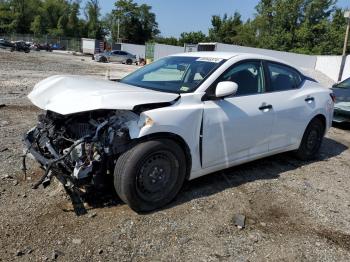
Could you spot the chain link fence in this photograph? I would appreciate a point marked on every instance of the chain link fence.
(60, 43)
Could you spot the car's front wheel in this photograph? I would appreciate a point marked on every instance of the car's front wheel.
(149, 175)
(312, 140)
(129, 62)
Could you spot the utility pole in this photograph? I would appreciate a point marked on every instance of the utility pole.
(118, 30)
(347, 16)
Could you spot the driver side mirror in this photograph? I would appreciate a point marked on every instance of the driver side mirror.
(225, 89)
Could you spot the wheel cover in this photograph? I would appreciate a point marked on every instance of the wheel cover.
(155, 177)
(313, 140)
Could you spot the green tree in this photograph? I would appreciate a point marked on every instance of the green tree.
(137, 24)
(225, 29)
(37, 26)
(192, 38)
(94, 26)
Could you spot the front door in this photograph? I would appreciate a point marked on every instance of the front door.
(238, 127)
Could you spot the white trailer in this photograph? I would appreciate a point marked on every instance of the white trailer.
(156, 51)
(138, 50)
(299, 60)
(92, 46)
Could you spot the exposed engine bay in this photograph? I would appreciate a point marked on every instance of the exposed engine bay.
(80, 149)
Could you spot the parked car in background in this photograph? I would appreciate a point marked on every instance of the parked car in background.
(4, 44)
(21, 46)
(116, 56)
(38, 47)
(181, 117)
(58, 47)
(342, 101)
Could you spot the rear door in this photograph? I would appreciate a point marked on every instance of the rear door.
(115, 56)
(292, 105)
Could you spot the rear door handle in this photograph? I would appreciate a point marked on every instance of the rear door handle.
(309, 99)
(265, 107)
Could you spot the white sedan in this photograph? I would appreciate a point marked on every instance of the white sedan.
(181, 117)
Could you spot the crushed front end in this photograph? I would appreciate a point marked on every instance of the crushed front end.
(79, 149)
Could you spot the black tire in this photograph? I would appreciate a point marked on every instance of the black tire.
(129, 62)
(150, 175)
(312, 140)
(103, 59)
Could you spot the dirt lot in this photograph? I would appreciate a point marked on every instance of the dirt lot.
(295, 210)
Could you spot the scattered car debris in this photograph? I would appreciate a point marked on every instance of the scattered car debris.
(19, 253)
(92, 215)
(3, 149)
(239, 221)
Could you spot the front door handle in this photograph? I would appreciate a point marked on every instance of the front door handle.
(265, 107)
(309, 99)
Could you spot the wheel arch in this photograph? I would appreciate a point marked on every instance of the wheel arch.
(177, 139)
(323, 119)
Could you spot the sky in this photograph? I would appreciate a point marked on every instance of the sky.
(177, 16)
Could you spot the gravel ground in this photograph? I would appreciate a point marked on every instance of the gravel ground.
(295, 211)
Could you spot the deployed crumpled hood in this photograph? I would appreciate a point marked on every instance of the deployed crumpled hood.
(73, 94)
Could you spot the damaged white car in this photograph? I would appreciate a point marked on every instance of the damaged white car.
(179, 118)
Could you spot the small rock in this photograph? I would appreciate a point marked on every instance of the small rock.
(56, 254)
(76, 241)
(254, 238)
(307, 184)
(100, 251)
(263, 224)
(239, 221)
(24, 195)
(318, 244)
(3, 123)
(15, 182)
(92, 215)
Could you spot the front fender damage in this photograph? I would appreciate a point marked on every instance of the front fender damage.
(81, 150)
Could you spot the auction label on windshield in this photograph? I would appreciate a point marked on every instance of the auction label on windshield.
(209, 59)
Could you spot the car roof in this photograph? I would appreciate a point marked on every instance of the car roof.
(229, 55)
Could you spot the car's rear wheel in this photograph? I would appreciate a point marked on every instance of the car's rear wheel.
(312, 140)
(150, 175)
(129, 62)
(103, 59)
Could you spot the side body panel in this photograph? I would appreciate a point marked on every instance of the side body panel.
(235, 128)
(183, 119)
(293, 112)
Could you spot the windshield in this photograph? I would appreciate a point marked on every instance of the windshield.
(174, 74)
(344, 84)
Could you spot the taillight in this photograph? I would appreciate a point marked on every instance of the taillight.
(333, 97)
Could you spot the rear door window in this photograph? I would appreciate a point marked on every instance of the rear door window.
(283, 78)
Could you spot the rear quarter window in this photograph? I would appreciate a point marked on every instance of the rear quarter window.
(283, 78)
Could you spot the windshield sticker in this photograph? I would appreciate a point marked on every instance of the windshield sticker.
(209, 59)
(184, 88)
